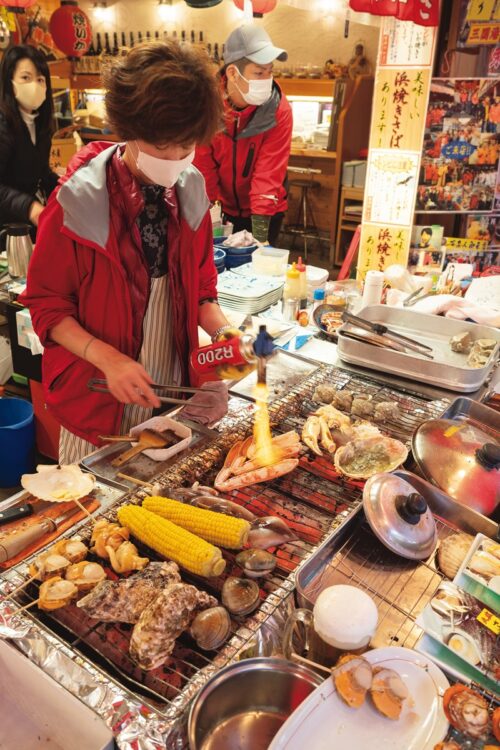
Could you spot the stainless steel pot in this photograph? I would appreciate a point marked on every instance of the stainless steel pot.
(244, 705)
(19, 249)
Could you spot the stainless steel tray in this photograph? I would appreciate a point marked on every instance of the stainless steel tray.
(447, 370)
(465, 409)
(284, 371)
(141, 467)
(400, 588)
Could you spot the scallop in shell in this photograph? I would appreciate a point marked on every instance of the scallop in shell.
(49, 564)
(361, 459)
(58, 483)
(240, 595)
(211, 628)
(256, 562)
(85, 575)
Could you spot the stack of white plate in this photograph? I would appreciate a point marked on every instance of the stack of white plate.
(248, 294)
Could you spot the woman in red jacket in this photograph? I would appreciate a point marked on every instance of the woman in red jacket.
(123, 270)
(245, 166)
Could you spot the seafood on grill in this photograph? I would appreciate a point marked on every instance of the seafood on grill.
(361, 459)
(126, 558)
(106, 534)
(243, 468)
(211, 628)
(362, 406)
(240, 595)
(47, 565)
(270, 531)
(311, 433)
(467, 711)
(324, 394)
(452, 552)
(85, 575)
(352, 677)
(58, 483)
(124, 600)
(342, 400)
(73, 550)
(388, 692)
(55, 593)
(163, 621)
(385, 411)
(256, 563)
(221, 505)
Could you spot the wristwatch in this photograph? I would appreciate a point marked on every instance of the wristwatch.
(220, 330)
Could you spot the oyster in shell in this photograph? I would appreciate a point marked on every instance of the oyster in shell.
(451, 553)
(211, 628)
(361, 459)
(324, 394)
(58, 484)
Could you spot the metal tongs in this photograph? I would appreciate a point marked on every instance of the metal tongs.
(99, 385)
(385, 336)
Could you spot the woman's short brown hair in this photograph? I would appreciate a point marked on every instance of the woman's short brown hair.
(163, 93)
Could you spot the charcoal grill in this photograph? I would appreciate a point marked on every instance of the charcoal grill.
(314, 500)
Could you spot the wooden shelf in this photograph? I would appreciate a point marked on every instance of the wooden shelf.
(306, 86)
(314, 153)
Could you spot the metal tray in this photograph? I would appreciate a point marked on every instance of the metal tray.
(141, 467)
(283, 372)
(400, 588)
(467, 410)
(447, 370)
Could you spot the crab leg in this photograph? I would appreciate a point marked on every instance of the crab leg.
(253, 465)
(310, 434)
(326, 437)
(263, 474)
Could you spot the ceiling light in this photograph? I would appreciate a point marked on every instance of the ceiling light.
(167, 11)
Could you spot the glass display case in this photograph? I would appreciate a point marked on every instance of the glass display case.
(312, 116)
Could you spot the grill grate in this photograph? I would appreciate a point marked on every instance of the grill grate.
(313, 500)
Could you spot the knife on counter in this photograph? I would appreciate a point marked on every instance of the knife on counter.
(16, 513)
(16, 541)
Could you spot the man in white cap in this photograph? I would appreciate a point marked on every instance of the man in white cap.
(245, 166)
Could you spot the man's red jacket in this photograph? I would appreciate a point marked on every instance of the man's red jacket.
(88, 264)
(245, 165)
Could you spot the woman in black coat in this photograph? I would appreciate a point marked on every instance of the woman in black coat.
(26, 125)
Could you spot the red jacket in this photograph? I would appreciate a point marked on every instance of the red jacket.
(245, 165)
(88, 264)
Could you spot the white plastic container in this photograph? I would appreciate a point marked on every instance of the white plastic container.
(316, 279)
(270, 261)
(372, 290)
(161, 424)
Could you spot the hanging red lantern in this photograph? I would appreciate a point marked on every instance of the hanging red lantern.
(422, 12)
(259, 6)
(17, 6)
(70, 29)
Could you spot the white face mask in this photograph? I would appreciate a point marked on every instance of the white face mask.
(30, 95)
(258, 91)
(162, 171)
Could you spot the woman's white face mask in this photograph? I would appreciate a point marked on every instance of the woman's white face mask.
(259, 91)
(30, 95)
(164, 172)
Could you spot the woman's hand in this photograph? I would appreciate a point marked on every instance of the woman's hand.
(129, 382)
(36, 209)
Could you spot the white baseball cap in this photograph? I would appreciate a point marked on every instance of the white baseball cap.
(253, 43)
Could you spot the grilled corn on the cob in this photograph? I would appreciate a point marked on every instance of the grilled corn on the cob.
(172, 541)
(217, 528)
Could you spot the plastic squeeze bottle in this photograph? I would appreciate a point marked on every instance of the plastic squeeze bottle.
(301, 268)
(292, 283)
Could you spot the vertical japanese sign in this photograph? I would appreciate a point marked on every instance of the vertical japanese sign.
(401, 94)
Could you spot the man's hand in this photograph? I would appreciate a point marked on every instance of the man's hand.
(129, 382)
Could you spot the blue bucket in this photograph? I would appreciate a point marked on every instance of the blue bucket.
(17, 440)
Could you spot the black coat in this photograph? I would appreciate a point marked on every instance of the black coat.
(24, 168)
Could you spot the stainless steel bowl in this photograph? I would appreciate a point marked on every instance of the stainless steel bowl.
(244, 705)
(321, 310)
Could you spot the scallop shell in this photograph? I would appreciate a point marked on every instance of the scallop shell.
(240, 595)
(361, 459)
(58, 484)
(256, 562)
(211, 628)
(451, 553)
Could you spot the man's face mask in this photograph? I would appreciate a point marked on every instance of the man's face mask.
(258, 91)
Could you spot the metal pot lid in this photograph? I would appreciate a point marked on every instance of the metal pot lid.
(399, 516)
(461, 458)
